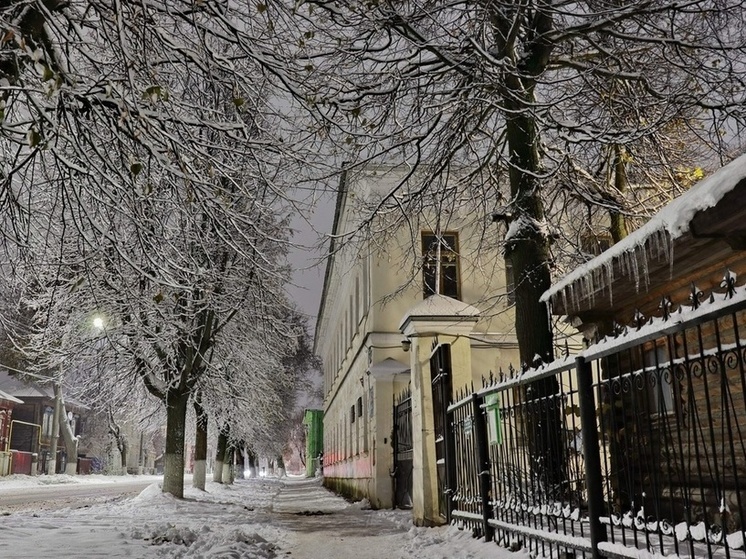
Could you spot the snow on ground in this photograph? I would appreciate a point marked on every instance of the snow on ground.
(17, 481)
(261, 518)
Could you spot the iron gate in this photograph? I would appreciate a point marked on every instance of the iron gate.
(402, 442)
(440, 371)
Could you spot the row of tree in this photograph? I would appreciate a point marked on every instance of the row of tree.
(145, 209)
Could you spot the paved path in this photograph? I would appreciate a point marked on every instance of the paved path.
(323, 527)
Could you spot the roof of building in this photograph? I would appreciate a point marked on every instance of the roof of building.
(439, 306)
(339, 205)
(18, 388)
(682, 237)
(387, 368)
(8, 398)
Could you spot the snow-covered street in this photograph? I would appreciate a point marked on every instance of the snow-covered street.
(252, 519)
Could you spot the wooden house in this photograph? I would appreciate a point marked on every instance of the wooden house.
(666, 312)
(7, 403)
(32, 418)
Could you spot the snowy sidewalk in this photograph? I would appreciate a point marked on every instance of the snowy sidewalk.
(323, 526)
(252, 519)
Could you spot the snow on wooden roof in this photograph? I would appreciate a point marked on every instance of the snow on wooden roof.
(654, 240)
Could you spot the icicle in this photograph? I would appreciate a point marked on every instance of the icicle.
(635, 270)
(662, 241)
(563, 293)
(670, 257)
(609, 270)
(573, 295)
(645, 270)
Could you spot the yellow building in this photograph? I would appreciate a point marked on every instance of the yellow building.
(392, 296)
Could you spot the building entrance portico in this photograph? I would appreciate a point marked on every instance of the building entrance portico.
(440, 359)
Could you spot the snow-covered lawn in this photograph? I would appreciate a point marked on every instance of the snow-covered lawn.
(252, 519)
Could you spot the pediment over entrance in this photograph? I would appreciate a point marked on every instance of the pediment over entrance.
(388, 368)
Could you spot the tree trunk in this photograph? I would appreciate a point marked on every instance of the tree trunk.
(529, 254)
(252, 462)
(241, 461)
(120, 440)
(228, 465)
(280, 467)
(173, 462)
(52, 463)
(71, 442)
(200, 448)
(141, 455)
(123, 450)
(618, 223)
(217, 475)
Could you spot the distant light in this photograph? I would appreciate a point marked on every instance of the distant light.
(98, 323)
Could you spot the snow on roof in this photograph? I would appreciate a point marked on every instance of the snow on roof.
(9, 398)
(21, 389)
(388, 367)
(440, 306)
(674, 219)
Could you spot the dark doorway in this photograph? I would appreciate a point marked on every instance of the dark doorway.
(402, 442)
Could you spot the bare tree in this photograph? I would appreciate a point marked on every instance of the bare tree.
(119, 438)
(142, 184)
(251, 395)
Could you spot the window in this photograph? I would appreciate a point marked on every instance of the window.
(360, 407)
(366, 285)
(660, 379)
(352, 414)
(353, 319)
(73, 421)
(594, 244)
(440, 269)
(4, 424)
(509, 283)
(47, 423)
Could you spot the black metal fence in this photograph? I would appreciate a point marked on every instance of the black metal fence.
(638, 443)
(403, 449)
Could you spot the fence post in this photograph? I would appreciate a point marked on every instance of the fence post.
(450, 456)
(395, 463)
(483, 465)
(591, 453)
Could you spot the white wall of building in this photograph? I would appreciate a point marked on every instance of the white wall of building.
(370, 286)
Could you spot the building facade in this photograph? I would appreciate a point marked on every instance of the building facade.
(429, 281)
